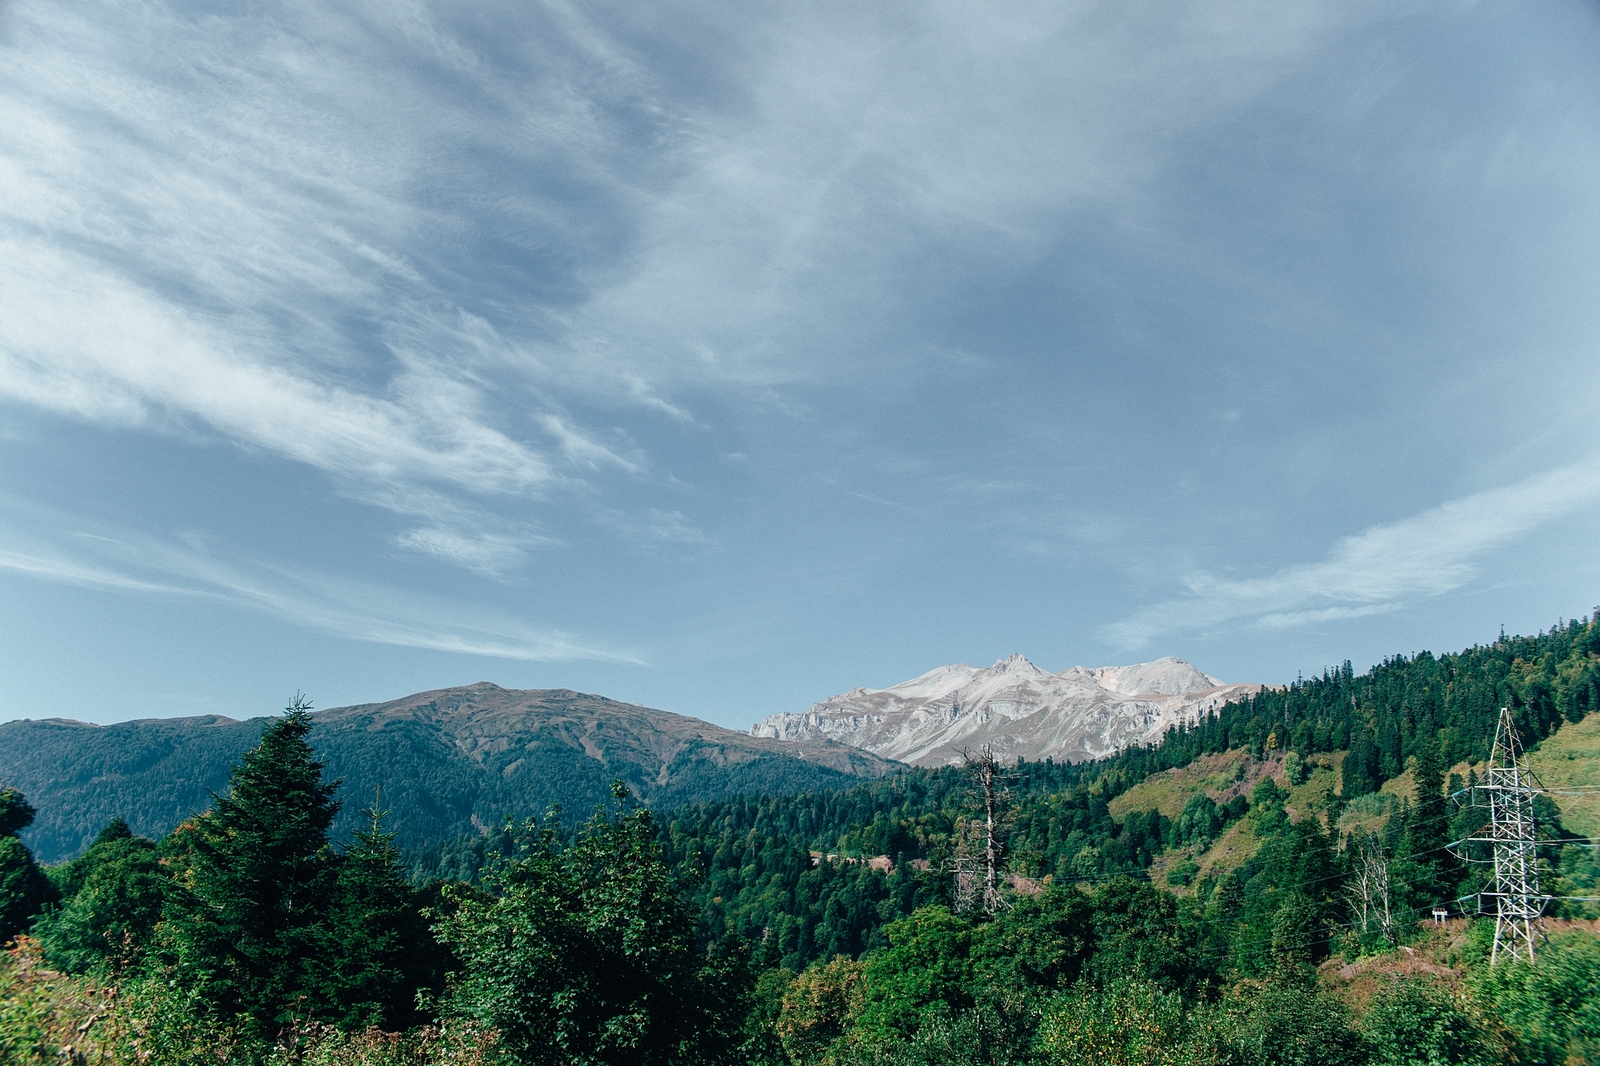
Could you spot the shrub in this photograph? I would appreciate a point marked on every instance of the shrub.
(1417, 1021)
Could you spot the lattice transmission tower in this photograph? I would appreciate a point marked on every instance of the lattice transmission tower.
(1512, 835)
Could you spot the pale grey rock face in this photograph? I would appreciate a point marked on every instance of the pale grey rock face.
(1014, 707)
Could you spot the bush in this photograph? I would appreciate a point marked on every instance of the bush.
(40, 1010)
(585, 953)
(1552, 1007)
(1130, 1023)
(1285, 1021)
(1417, 1021)
(997, 1032)
(818, 1008)
(47, 1017)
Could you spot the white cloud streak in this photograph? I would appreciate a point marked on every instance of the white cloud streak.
(281, 202)
(236, 233)
(85, 342)
(1379, 569)
(131, 563)
(407, 244)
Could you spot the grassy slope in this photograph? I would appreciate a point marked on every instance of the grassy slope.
(1446, 951)
(1571, 758)
(1568, 758)
(1222, 777)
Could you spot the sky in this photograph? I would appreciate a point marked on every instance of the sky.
(722, 357)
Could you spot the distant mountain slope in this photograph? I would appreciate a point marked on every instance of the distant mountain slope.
(1015, 707)
(447, 761)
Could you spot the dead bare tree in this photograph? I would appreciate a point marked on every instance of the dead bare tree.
(1368, 888)
(980, 845)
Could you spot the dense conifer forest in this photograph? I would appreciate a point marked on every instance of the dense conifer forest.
(1256, 888)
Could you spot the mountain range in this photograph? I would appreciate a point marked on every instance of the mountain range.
(1014, 707)
(448, 762)
(452, 761)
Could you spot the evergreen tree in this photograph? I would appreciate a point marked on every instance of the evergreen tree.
(1360, 770)
(246, 926)
(24, 890)
(1425, 864)
(383, 949)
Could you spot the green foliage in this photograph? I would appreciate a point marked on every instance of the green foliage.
(760, 1045)
(16, 813)
(996, 1032)
(927, 961)
(50, 1018)
(40, 1011)
(385, 950)
(1551, 1007)
(1038, 943)
(584, 953)
(1201, 822)
(1391, 713)
(790, 871)
(1129, 1023)
(1284, 897)
(1578, 874)
(1361, 773)
(1426, 868)
(818, 1008)
(1418, 1022)
(24, 890)
(111, 900)
(1284, 1021)
(1141, 933)
(245, 924)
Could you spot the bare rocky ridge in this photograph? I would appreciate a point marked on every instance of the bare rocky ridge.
(1013, 706)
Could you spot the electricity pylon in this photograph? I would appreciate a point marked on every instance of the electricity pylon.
(1511, 833)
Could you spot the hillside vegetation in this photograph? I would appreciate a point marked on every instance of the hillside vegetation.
(1195, 901)
(448, 762)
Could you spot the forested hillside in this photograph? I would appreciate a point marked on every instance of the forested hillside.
(1243, 893)
(752, 858)
(446, 761)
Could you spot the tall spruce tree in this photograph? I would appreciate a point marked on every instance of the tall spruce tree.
(1426, 861)
(246, 926)
(1360, 770)
(384, 950)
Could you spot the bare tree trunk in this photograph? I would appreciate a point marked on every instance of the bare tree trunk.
(984, 769)
(1368, 890)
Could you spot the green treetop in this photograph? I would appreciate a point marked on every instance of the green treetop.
(245, 924)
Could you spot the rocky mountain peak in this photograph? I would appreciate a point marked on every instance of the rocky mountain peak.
(1016, 707)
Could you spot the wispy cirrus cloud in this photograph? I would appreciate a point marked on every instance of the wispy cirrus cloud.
(240, 235)
(381, 239)
(53, 547)
(84, 341)
(1379, 569)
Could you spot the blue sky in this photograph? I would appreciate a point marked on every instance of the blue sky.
(723, 357)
